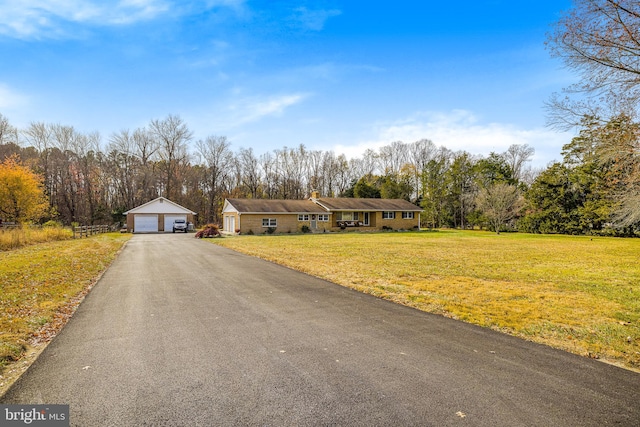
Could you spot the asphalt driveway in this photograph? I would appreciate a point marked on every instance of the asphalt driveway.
(181, 332)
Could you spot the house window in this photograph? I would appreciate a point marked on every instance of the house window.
(347, 216)
(407, 215)
(303, 217)
(388, 215)
(269, 222)
(323, 217)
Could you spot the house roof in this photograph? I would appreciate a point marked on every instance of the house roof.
(273, 206)
(351, 204)
(160, 206)
(317, 206)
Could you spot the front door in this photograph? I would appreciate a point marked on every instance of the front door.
(314, 222)
(365, 220)
(231, 224)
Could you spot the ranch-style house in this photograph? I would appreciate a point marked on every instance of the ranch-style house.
(318, 214)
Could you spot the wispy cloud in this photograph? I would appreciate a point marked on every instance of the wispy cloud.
(461, 130)
(253, 109)
(38, 19)
(312, 19)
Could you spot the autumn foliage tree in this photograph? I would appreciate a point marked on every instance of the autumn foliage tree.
(22, 196)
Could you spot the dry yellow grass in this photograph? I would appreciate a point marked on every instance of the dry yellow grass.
(579, 294)
(41, 284)
(18, 237)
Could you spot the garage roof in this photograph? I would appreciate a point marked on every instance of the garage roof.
(160, 206)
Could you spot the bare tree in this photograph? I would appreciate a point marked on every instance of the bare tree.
(217, 156)
(249, 172)
(268, 165)
(124, 168)
(500, 203)
(8, 133)
(290, 169)
(516, 157)
(40, 136)
(335, 176)
(146, 149)
(172, 135)
(600, 40)
(618, 152)
(315, 173)
(420, 154)
(88, 154)
(370, 163)
(628, 213)
(343, 176)
(393, 157)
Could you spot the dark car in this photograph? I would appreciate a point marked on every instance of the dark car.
(180, 225)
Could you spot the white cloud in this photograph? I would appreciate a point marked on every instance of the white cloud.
(462, 130)
(34, 19)
(47, 18)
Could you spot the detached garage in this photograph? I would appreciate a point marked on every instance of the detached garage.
(157, 216)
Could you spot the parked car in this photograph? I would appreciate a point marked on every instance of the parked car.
(180, 225)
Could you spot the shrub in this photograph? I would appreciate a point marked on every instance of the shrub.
(209, 230)
(305, 229)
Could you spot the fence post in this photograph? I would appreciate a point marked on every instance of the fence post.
(89, 230)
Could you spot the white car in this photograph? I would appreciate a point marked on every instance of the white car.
(180, 225)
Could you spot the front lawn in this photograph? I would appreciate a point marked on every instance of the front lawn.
(580, 294)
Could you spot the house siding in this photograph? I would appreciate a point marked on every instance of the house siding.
(286, 223)
(398, 223)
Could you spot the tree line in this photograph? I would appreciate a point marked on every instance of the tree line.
(90, 181)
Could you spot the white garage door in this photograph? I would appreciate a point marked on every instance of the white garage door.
(145, 224)
(168, 221)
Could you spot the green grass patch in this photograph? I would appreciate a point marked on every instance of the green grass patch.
(41, 284)
(579, 294)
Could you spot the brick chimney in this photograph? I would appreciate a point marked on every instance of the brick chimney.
(315, 195)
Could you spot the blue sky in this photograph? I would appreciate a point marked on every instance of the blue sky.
(342, 75)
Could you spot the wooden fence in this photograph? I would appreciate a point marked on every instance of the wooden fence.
(90, 230)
